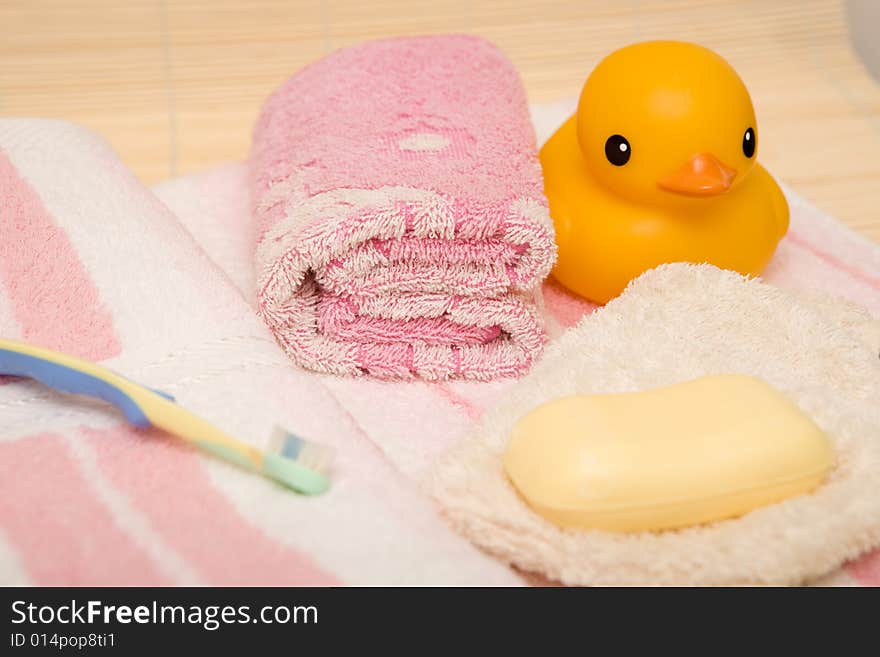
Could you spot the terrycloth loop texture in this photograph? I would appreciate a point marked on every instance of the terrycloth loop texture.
(403, 229)
(673, 324)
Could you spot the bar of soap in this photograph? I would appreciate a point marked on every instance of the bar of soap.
(691, 453)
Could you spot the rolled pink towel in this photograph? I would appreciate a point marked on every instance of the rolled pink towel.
(403, 229)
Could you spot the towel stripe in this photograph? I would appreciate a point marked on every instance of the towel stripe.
(565, 307)
(447, 393)
(63, 534)
(168, 484)
(8, 325)
(134, 524)
(866, 569)
(834, 261)
(51, 295)
(12, 571)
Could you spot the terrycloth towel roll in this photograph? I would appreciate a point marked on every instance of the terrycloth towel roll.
(403, 229)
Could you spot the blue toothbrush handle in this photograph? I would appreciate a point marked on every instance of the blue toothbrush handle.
(71, 380)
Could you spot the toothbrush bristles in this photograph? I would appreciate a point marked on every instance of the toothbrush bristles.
(309, 454)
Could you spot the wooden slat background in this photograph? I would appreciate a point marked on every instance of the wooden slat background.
(175, 85)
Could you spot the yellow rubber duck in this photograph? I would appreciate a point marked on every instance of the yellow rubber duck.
(658, 165)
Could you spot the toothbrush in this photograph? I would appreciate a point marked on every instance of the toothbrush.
(293, 461)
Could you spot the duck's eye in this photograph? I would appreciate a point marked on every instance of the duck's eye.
(617, 150)
(749, 143)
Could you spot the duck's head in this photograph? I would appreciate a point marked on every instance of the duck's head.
(664, 121)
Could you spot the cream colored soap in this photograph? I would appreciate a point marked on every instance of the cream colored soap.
(696, 452)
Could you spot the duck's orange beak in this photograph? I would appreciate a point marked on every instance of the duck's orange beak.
(702, 175)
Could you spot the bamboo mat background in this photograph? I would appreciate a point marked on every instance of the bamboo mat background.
(175, 85)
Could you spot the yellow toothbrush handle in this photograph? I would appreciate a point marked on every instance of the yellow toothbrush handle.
(142, 406)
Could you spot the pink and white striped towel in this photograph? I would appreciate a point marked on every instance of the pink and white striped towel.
(93, 263)
(402, 225)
